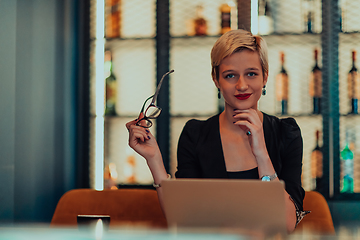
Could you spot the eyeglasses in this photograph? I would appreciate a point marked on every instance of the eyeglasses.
(149, 109)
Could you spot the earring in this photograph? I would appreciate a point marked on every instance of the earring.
(219, 94)
(264, 90)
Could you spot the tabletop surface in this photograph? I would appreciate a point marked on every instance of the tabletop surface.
(40, 232)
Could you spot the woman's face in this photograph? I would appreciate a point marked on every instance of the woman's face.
(241, 80)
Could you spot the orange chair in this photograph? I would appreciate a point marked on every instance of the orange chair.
(125, 206)
(319, 220)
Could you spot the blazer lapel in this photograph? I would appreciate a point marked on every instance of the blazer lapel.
(210, 150)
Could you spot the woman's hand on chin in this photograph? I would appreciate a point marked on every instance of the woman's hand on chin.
(249, 121)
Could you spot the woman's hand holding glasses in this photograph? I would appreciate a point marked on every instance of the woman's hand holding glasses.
(140, 137)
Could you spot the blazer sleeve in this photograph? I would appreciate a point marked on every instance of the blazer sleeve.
(291, 155)
(187, 158)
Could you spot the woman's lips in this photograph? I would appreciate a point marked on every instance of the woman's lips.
(243, 96)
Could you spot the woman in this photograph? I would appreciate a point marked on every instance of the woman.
(241, 142)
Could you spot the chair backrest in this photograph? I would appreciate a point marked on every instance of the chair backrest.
(125, 206)
(319, 220)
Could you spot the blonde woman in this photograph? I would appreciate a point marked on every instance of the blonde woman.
(241, 142)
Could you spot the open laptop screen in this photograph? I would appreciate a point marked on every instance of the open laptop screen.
(214, 203)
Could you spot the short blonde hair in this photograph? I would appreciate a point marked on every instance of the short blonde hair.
(235, 41)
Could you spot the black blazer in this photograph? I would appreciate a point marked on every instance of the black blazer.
(200, 153)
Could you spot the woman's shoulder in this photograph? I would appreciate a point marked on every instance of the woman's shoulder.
(197, 123)
(287, 126)
(288, 122)
(195, 128)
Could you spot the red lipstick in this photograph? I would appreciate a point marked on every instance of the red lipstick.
(243, 96)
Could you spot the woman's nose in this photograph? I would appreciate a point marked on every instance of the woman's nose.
(241, 85)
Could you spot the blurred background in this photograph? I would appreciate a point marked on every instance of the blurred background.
(74, 72)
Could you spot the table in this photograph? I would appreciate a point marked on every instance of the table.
(44, 232)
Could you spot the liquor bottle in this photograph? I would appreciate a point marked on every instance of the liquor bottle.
(347, 167)
(354, 85)
(112, 26)
(111, 86)
(110, 176)
(130, 167)
(315, 85)
(308, 6)
(356, 164)
(225, 10)
(316, 164)
(309, 22)
(282, 86)
(200, 25)
(341, 15)
(266, 23)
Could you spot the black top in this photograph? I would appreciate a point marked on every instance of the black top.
(200, 153)
(247, 174)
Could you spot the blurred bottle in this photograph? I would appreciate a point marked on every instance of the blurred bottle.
(110, 176)
(225, 10)
(200, 24)
(341, 15)
(130, 166)
(308, 8)
(356, 163)
(309, 22)
(347, 167)
(355, 166)
(111, 86)
(266, 22)
(282, 86)
(112, 18)
(354, 85)
(130, 169)
(315, 85)
(316, 163)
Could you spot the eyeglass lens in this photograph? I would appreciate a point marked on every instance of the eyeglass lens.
(152, 112)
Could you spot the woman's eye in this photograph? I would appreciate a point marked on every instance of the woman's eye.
(230, 76)
(252, 74)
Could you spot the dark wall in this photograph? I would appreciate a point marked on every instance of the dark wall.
(38, 85)
(7, 107)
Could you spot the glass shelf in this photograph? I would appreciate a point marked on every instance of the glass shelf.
(298, 115)
(127, 38)
(195, 37)
(274, 34)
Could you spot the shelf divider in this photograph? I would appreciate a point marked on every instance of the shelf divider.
(330, 103)
(162, 66)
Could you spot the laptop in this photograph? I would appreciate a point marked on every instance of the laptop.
(249, 205)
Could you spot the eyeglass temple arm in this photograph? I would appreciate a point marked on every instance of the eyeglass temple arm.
(142, 109)
(159, 86)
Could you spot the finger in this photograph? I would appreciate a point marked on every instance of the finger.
(248, 115)
(142, 130)
(142, 122)
(242, 126)
(137, 129)
(138, 135)
(245, 126)
(128, 124)
(243, 117)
